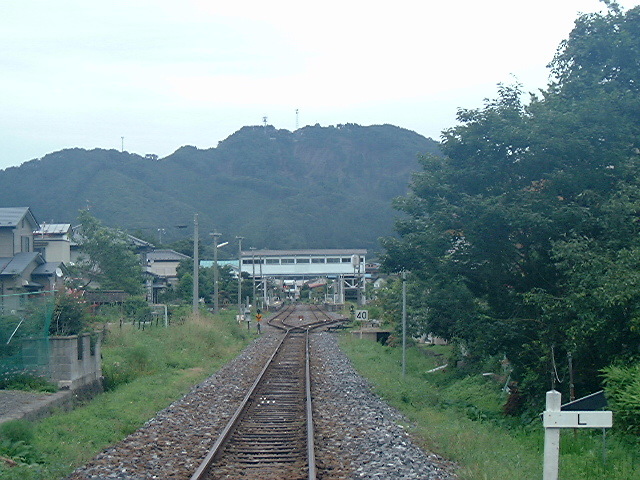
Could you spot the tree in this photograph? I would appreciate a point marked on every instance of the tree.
(107, 257)
(524, 239)
(227, 284)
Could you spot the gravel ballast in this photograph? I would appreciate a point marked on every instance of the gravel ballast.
(358, 436)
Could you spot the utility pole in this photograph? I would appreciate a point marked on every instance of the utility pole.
(253, 274)
(216, 308)
(265, 304)
(404, 323)
(196, 266)
(240, 275)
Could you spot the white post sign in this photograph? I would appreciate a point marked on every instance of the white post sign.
(362, 315)
(554, 420)
(578, 419)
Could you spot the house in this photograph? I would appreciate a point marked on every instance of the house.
(162, 271)
(140, 247)
(53, 241)
(16, 231)
(23, 270)
(164, 263)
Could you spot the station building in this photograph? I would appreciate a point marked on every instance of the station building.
(345, 267)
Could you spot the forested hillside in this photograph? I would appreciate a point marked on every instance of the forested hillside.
(317, 187)
(524, 240)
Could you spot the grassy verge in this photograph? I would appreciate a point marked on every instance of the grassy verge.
(461, 419)
(145, 372)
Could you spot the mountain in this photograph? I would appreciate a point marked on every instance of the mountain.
(317, 187)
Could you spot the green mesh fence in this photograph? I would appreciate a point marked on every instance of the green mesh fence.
(24, 333)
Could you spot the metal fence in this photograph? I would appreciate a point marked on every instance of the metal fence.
(24, 332)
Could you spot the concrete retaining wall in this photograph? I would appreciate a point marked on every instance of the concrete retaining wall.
(74, 361)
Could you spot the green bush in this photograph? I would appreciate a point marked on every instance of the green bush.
(115, 374)
(27, 382)
(17, 431)
(623, 391)
(16, 437)
(133, 361)
(137, 309)
(69, 315)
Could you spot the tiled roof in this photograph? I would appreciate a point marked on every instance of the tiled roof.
(48, 268)
(19, 263)
(4, 261)
(138, 242)
(166, 255)
(11, 216)
(53, 229)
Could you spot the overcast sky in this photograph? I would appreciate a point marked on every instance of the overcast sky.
(163, 74)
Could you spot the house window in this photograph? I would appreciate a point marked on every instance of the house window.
(317, 260)
(333, 260)
(273, 261)
(288, 261)
(303, 260)
(346, 259)
(25, 244)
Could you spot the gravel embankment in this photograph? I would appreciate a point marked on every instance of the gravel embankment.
(367, 432)
(358, 435)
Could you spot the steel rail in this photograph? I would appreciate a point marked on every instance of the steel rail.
(328, 321)
(288, 311)
(217, 450)
(311, 451)
(281, 316)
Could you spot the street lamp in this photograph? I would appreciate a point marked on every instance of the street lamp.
(216, 236)
(196, 266)
(265, 303)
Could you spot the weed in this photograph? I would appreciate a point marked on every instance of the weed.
(29, 382)
(16, 437)
(461, 418)
(166, 361)
(17, 431)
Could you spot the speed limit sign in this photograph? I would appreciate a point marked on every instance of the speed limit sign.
(362, 315)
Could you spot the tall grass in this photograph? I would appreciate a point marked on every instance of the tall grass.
(166, 362)
(461, 419)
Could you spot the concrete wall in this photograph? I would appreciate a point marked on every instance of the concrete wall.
(6, 242)
(58, 250)
(25, 229)
(72, 363)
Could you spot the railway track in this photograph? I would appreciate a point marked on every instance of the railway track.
(270, 436)
(356, 435)
(309, 316)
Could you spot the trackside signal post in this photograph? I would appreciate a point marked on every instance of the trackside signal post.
(554, 419)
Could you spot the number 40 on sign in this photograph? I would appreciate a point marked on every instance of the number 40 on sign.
(362, 315)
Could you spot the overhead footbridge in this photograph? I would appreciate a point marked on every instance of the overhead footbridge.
(344, 267)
